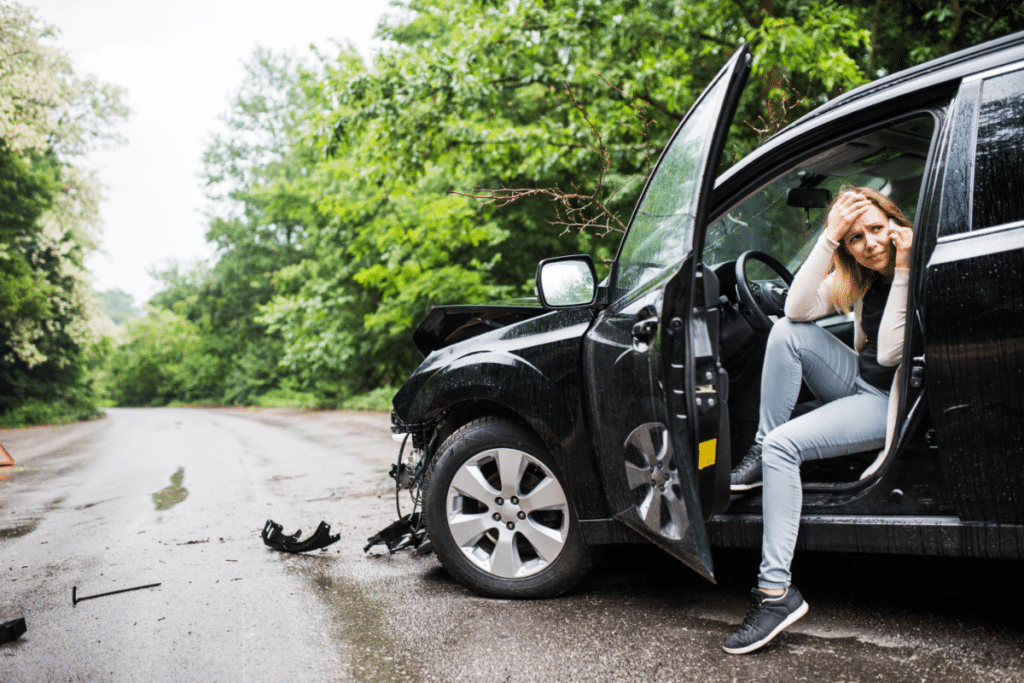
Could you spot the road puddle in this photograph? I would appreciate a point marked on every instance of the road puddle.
(166, 498)
(361, 622)
(20, 471)
(23, 529)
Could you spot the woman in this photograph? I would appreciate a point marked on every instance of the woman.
(862, 259)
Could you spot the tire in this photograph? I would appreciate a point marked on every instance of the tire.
(503, 539)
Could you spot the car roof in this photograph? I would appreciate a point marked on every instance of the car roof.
(885, 95)
(951, 67)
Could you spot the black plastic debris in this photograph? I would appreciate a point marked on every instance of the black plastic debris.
(406, 477)
(407, 532)
(321, 538)
(75, 599)
(12, 630)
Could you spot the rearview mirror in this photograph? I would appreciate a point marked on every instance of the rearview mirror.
(808, 197)
(567, 282)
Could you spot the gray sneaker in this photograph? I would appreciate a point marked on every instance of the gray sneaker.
(767, 617)
(747, 474)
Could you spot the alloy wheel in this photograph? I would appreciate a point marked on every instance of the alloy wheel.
(507, 513)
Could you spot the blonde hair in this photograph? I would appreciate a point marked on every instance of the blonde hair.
(850, 280)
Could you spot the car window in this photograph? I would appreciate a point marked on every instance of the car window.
(663, 223)
(999, 157)
(986, 155)
(890, 160)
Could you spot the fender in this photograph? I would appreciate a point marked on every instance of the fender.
(507, 380)
(532, 369)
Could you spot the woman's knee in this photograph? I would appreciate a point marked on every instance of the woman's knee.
(791, 333)
(779, 452)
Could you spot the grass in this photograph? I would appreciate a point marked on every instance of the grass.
(287, 398)
(35, 412)
(378, 399)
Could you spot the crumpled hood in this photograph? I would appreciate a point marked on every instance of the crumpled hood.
(447, 325)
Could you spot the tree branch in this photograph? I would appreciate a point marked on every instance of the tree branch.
(720, 41)
(876, 14)
(753, 20)
(586, 205)
(992, 20)
(601, 149)
(958, 15)
(483, 143)
(570, 206)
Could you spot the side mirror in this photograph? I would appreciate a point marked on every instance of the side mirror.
(567, 282)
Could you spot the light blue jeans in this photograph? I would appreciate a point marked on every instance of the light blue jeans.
(851, 420)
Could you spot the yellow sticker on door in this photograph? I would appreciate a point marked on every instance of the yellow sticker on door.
(706, 454)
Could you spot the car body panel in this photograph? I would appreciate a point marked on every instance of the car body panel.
(447, 325)
(974, 300)
(529, 370)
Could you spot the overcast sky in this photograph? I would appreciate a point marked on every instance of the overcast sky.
(180, 62)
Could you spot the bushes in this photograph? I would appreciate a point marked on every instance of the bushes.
(36, 411)
(165, 360)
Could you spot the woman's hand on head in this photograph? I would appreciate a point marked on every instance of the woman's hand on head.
(844, 213)
(903, 239)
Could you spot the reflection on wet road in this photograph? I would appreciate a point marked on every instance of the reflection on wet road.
(179, 497)
(168, 497)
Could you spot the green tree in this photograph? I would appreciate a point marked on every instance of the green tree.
(49, 118)
(339, 193)
(164, 361)
(261, 205)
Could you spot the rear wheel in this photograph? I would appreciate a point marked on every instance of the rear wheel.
(498, 515)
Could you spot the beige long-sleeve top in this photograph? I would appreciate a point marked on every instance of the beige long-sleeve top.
(809, 299)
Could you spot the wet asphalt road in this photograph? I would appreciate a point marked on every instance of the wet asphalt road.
(179, 496)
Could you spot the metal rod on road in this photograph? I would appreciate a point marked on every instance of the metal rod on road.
(75, 599)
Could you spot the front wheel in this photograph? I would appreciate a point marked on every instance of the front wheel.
(498, 515)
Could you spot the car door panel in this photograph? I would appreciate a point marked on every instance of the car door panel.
(975, 304)
(644, 351)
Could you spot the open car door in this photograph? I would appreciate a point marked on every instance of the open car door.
(655, 393)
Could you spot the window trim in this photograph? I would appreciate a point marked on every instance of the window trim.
(992, 73)
(965, 245)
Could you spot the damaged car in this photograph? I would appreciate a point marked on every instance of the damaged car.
(613, 411)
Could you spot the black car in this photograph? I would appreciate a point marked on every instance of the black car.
(613, 412)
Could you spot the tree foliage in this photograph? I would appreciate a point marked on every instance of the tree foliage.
(342, 193)
(49, 218)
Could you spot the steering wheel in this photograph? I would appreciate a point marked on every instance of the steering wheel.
(758, 302)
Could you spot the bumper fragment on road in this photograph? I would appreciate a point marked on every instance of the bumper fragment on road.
(320, 539)
(12, 630)
(407, 532)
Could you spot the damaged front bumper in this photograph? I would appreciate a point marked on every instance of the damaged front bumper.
(408, 531)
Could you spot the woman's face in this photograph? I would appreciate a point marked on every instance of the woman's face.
(868, 240)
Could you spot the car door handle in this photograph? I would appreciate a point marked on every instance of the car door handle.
(643, 331)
